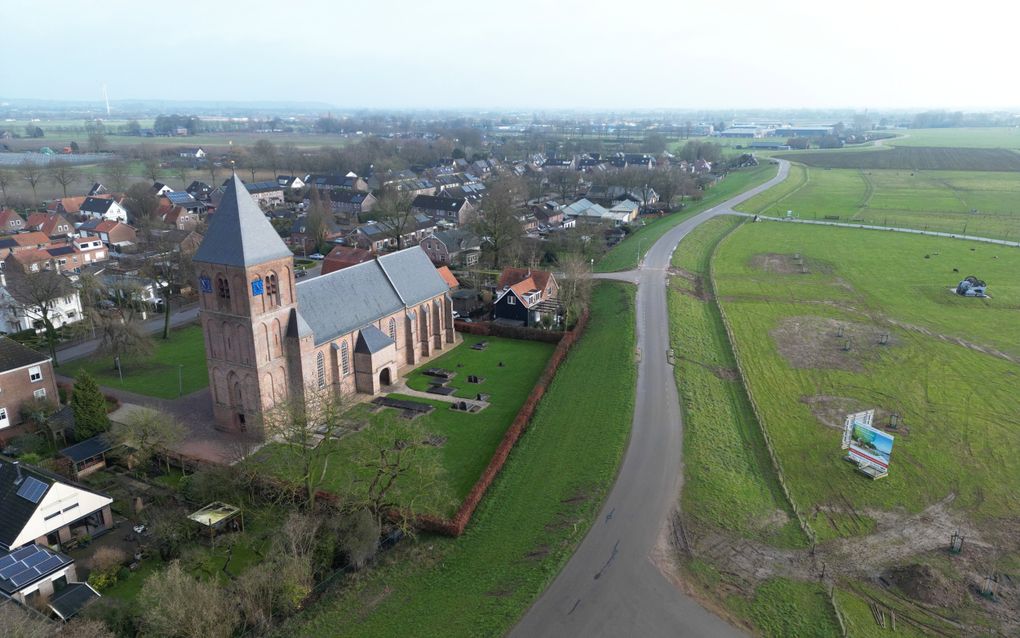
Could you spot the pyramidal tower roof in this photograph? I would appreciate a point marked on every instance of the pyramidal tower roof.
(239, 233)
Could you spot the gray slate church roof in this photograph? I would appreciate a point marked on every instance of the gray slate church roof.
(240, 234)
(348, 299)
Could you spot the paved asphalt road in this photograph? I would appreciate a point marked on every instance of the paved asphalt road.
(610, 587)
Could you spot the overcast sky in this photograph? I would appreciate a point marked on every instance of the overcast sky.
(517, 53)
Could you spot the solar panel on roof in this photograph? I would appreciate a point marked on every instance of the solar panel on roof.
(24, 552)
(32, 489)
(24, 577)
(34, 559)
(10, 570)
(49, 564)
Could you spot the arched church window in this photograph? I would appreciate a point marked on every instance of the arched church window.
(345, 358)
(320, 369)
(223, 287)
(393, 329)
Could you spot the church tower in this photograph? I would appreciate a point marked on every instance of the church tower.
(247, 292)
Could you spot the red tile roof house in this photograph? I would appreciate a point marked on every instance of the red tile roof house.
(344, 257)
(53, 225)
(25, 375)
(10, 222)
(526, 297)
(109, 232)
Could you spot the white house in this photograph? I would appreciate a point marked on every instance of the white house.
(19, 312)
(103, 208)
(37, 506)
(192, 153)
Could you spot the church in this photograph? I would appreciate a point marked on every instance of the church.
(270, 338)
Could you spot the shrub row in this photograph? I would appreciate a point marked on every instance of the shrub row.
(456, 525)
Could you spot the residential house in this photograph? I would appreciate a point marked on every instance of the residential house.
(31, 575)
(609, 195)
(53, 225)
(586, 210)
(266, 193)
(111, 233)
(629, 208)
(379, 236)
(550, 214)
(97, 189)
(180, 219)
(39, 507)
(344, 257)
(159, 189)
(66, 205)
(290, 182)
(448, 277)
(91, 249)
(350, 204)
(335, 181)
(559, 162)
(186, 201)
(457, 247)
(473, 192)
(10, 222)
(445, 209)
(199, 190)
(22, 241)
(19, 307)
(526, 297)
(192, 153)
(25, 376)
(103, 207)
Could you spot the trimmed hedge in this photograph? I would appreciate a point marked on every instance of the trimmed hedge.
(490, 329)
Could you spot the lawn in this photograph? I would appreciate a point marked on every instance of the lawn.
(470, 439)
(535, 513)
(627, 254)
(957, 404)
(155, 376)
(978, 203)
(728, 481)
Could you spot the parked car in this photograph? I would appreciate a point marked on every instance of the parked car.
(317, 256)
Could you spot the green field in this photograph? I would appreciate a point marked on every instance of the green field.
(728, 480)
(958, 403)
(910, 158)
(535, 513)
(470, 439)
(627, 254)
(990, 137)
(978, 203)
(155, 376)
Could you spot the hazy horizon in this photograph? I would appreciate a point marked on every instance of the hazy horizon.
(642, 55)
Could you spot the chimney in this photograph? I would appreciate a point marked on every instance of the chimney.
(3, 279)
(17, 468)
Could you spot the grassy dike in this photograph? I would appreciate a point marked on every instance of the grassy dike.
(534, 515)
(729, 485)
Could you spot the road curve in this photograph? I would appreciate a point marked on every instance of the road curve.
(610, 587)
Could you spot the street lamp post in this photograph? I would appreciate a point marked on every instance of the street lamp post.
(180, 379)
(120, 372)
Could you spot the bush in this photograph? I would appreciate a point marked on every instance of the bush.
(89, 407)
(107, 558)
(116, 614)
(30, 444)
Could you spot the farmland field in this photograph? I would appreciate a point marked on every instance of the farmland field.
(990, 137)
(971, 202)
(913, 158)
(538, 509)
(871, 324)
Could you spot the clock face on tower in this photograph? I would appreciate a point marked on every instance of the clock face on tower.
(205, 284)
(256, 287)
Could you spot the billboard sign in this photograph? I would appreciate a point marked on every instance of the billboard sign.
(865, 418)
(870, 446)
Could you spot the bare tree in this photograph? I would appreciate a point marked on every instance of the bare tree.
(86, 628)
(181, 172)
(497, 223)
(169, 265)
(149, 432)
(564, 181)
(142, 203)
(62, 173)
(117, 173)
(176, 605)
(38, 295)
(97, 136)
(265, 154)
(310, 428)
(575, 286)
(289, 155)
(394, 210)
(6, 179)
(33, 174)
(151, 163)
(22, 622)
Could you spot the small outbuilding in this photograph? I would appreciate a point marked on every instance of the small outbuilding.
(218, 517)
(88, 456)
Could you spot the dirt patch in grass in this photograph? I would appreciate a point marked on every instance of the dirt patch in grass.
(927, 585)
(832, 411)
(789, 264)
(697, 281)
(810, 342)
(538, 553)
